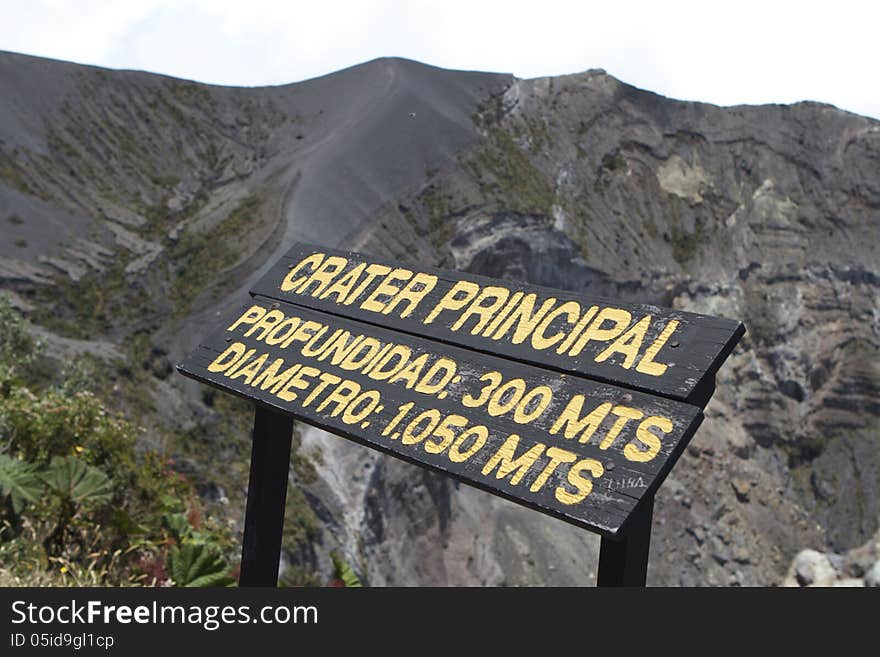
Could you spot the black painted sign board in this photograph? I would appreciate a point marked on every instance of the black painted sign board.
(661, 351)
(574, 406)
(576, 449)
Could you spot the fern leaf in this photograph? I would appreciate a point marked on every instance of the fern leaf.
(20, 481)
(197, 565)
(77, 481)
(178, 525)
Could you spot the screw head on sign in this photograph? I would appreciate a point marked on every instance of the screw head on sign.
(626, 398)
(274, 306)
(673, 344)
(228, 339)
(609, 466)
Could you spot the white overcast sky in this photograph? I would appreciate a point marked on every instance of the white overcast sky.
(730, 52)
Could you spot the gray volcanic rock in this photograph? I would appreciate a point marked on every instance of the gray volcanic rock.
(857, 567)
(155, 203)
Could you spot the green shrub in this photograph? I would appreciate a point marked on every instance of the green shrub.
(18, 348)
(343, 574)
(79, 504)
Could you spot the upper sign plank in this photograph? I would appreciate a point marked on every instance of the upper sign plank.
(579, 450)
(666, 352)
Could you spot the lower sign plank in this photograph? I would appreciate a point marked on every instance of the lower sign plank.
(575, 449)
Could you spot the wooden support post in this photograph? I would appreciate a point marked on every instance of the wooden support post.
(267, 493)
(625, 562)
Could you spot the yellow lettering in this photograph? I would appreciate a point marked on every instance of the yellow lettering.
(576, 331)
(624, 414)
(456, 299)
(539, 341)
(328, 270)
(344, 393)
(583, 486)
(498, 295)
(370, 399)
(371, 273)
(297, 381)
(342, 287)
(520, 415)
(251, 369)
(269, 377)
(458, 455)
(594, 331)
(291, 281)
(411, 372)
(281, 331)
(325, 379)
(574, 424)
(647, 364)
(648, 439)
(385, 288)
(492, 379)
(309, 349)
(445, 367)
(268, 320)
(628, 343)
(375, 359)
(368, 348)
(557, 457)
(240, 363)
(416, 290)
(511, 304)
(341, 348)
(229, 358)
(504, 460)
(249, 316)
(400, 352)
(409, 436)
(527, 321)
(445, 431)
(498, 405)
(303, 334)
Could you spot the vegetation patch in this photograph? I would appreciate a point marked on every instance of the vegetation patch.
(86, 308)
(79, 503)
(190, 93)
(685, 244)
(198, 258)
(10, 173)
(504, 172)
(585, 126)
(438, 207)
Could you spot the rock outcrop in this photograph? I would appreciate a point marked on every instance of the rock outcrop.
(857, 567)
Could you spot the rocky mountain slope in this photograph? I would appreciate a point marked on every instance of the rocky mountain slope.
(136, 209)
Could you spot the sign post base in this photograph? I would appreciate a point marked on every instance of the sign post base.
(267, 494)
(625, 562)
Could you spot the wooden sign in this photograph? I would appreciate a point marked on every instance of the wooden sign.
(665, 352)
(579, 450)
(572, 405)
